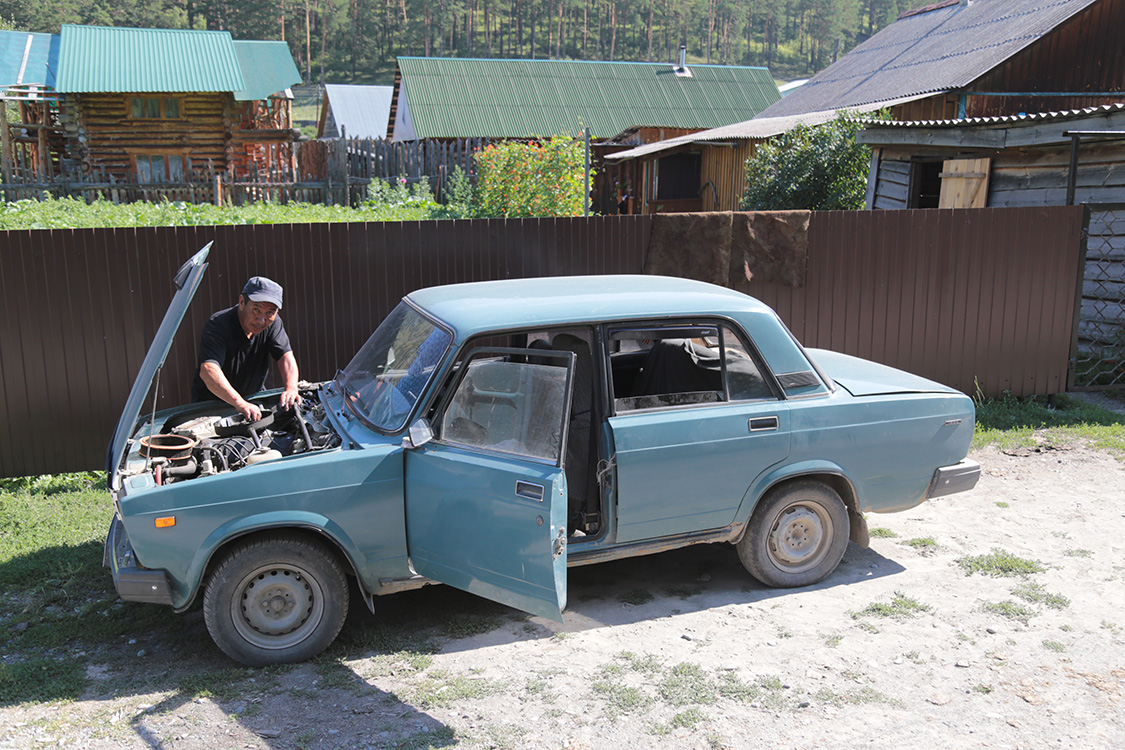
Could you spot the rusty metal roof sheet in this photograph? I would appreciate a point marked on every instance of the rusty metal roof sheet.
(105, 59)
(943, 47)
(455, 98)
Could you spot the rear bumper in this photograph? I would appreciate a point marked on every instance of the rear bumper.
(133, 583)
(949, 480)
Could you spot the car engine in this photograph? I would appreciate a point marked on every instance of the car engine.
(193, 443)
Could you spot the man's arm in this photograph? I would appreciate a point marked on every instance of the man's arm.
(287, 366)
(218, 384)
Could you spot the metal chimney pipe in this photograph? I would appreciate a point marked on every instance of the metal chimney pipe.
(683, 57)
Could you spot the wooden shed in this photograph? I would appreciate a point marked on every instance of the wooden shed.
(1049, 159)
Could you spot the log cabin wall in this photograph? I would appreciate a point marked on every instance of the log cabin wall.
(103, 134)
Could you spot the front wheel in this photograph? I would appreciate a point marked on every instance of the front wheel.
(797, 535)
(274, 600)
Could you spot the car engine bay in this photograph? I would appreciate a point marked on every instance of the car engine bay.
(197, 441)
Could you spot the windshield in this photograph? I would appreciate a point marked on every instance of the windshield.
(390, 372)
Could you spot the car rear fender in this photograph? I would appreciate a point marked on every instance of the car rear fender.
(821, 471)
(223, 538)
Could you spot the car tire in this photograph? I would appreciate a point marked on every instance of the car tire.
(277, 599)
(797, 535)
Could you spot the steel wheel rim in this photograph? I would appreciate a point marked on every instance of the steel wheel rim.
(277, 606)
(800, 537)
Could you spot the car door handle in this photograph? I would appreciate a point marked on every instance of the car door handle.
(529, 491)
(763, 424)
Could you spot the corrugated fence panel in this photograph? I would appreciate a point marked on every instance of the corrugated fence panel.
(967, 297)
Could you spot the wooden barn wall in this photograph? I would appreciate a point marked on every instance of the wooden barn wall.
(966, 297)
(1037, 177)
(892, 186)
(724, 167)
(103, 135)
(937, 107)
(1085, 54)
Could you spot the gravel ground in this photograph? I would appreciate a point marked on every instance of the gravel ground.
(901, 647)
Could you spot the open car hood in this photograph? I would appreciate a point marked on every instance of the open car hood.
(186, 281)
(861, 377)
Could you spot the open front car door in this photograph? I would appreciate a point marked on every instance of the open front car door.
(486, 500)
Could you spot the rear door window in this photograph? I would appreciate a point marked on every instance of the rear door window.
(683, 365)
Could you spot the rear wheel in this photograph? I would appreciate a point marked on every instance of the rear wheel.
(277, 599)
(797, 535)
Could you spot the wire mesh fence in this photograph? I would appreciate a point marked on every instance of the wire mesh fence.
(1100, 361)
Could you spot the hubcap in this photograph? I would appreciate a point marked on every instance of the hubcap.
(800, 536)
(277, 606)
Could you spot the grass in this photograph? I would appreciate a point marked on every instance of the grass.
(879, 532)
(1011, 423)
(900, 607)
(1009, 609)
(999, 563)
(1033, 592)
(924, 543)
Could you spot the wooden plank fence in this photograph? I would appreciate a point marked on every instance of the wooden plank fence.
(332, 172)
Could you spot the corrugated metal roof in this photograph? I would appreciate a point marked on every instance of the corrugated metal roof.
(100, 58)
(1026, 118)
(458, 98)
(941, 49)
(27, 58)
(758, 128)
(362, 111)
(1007, 131)
(267, 68)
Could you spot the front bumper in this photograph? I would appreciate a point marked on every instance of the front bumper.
(133, 583)
(949, 480)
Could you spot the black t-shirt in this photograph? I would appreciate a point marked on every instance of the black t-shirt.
(245, 361)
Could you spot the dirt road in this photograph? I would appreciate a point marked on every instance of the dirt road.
(901, 647)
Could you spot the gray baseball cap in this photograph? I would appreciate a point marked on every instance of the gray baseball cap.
(261, 289)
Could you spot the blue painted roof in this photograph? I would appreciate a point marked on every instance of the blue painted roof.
(267, 67)
(27, 58)
(489, 305)
(113, 59)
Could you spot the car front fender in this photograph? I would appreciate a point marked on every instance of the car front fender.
(238, 528)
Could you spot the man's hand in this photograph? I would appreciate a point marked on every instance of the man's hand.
(248, 410)
(290, 398)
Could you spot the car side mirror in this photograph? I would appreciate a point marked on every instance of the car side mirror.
(420, 433)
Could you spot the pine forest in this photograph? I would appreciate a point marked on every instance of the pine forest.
(357, 41)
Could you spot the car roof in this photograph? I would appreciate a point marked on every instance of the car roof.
(541, 302)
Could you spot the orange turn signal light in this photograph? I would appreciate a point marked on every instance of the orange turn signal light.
(166, 522)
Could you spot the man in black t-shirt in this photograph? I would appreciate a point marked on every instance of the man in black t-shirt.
(237, 345)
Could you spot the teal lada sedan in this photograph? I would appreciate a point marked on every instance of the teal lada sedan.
(489, 435)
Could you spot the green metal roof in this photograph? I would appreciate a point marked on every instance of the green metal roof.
(459, 98)
(101, 58)
(267, 68)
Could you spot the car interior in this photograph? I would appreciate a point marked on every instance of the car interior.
(646, 367)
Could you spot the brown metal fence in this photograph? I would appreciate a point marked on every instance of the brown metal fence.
(978, 296)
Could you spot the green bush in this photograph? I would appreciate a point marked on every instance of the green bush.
(820, 167)
(524, 180)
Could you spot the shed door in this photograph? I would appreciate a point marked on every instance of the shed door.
(486, 500)
(964, 183)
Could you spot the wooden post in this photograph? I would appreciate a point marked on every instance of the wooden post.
(218, 197)
(5, 142)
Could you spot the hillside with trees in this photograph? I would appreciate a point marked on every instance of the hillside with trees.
(356, 41)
